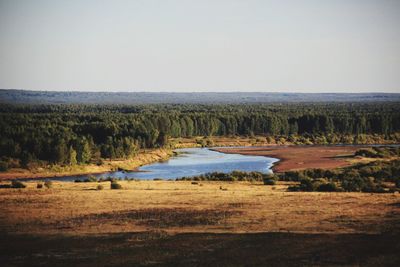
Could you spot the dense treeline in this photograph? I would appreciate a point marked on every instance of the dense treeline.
(54, 97)
(71, 134)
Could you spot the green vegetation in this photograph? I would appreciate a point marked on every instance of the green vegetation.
(115, 185)
(3, 166)
(48, 184)
(379, 152)
(36, 135)
(90, 179)
(14, 184)
(378, 176)
(233, 176)
(270, 179)
(17, 184)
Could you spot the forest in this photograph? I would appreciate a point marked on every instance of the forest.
(82, 133)
(75, 97)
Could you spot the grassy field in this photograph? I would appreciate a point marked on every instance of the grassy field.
(180, 223)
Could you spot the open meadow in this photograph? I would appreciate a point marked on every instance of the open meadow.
(195, 223)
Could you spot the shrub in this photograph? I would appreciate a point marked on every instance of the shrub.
(3, 166)
(353, 184)
(115, 185)
(397, 182)
(327, 187)
(270, 179)
(91, 178)
(269, 182)
(366, 153)
(291, 176)
(100, 187)
(48, 184)
(293, 188)
(306, 184)
(39, 185)
(110, 179)
(17, 184)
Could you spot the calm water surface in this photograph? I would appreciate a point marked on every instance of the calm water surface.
(190, 162)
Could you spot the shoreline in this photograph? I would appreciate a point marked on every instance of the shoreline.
(286, 155)
(293, 157)
(132, 164)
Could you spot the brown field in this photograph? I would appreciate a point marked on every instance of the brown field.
(301, 157)
(160, 223)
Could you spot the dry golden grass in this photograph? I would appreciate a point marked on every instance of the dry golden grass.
(182, 142)
(182, 207)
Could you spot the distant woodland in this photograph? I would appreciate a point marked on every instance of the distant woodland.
(70, 97)
(83, 133)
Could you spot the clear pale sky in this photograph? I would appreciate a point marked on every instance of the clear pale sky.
(204, 45)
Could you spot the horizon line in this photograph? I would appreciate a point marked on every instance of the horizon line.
(188, 92)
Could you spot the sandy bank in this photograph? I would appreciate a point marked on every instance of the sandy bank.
(300, 157)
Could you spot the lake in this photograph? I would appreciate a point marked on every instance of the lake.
(190, 162)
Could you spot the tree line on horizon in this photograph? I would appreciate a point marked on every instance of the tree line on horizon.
(79, 133)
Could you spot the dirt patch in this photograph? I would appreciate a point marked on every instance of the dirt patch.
(300, 157)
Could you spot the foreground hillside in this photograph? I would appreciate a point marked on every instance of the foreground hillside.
(196, 223)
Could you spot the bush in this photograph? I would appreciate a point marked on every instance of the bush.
(366, 153)
(397, 182)
(90, 179)
(230, 177)
(293, 188)
(354, 184)
(306, 184)
(291, 176)
(370, 177)
(327, 187)
(115, 185)
(48, 184)
(100, 187)
(17, 184)
(3, 166)
(269, 182)
(270, 179)
(39, 185)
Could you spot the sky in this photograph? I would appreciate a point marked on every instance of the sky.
(205, 45)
